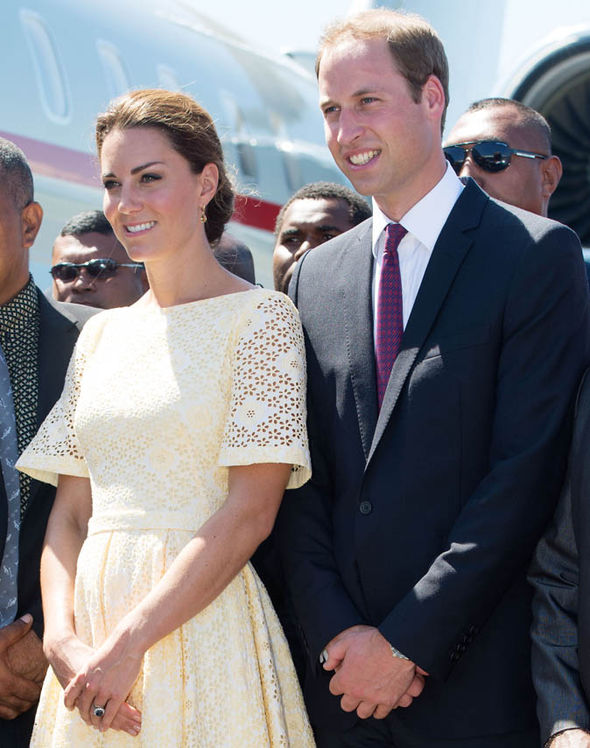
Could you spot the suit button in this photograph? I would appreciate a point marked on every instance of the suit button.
(365, 507)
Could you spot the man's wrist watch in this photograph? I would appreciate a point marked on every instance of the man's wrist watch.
(396, 653)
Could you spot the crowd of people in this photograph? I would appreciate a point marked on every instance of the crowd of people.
(346, 512)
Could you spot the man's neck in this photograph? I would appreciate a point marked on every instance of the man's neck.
(395, 206)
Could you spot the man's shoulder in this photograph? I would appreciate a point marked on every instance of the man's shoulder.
(75, 314)
(330, 252)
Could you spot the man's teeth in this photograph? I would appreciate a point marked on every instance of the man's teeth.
(362, 158)
(140, 227)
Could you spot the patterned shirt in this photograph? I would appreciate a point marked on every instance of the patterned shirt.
(19, 339)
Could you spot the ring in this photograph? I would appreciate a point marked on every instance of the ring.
(323, 656)
(98, 711)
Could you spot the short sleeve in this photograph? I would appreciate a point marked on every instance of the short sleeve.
(267, 413)
(55, 449)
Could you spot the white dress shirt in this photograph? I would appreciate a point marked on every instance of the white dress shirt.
(423, 222)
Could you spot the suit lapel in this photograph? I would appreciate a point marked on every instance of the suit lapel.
(447, 256)
(357, 264)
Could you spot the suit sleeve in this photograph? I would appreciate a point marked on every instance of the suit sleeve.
(543, 351)
(304, 532)
(554, 574)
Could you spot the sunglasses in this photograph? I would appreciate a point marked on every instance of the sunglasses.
(490, 155)
(99, 268)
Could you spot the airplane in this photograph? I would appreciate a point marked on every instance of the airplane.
(64, 60)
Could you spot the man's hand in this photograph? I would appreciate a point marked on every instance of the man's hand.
(26, 658)
(570, 739)
(368, 676)
(18, 693)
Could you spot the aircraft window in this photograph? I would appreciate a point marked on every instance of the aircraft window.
(48, 70)
(167, 78)
(247, 159)
(292, 170)
(113, 68)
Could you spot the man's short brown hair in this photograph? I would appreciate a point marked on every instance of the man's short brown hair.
(415, 46)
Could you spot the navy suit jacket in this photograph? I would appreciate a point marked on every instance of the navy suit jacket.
(560, 574)
(59, 326)
(420, 518)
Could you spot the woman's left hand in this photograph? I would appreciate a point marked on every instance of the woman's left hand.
(105, 682)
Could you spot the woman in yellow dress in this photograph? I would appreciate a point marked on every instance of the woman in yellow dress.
(181, 422)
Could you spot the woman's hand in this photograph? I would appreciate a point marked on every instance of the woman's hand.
(105, 680)
(70, 657)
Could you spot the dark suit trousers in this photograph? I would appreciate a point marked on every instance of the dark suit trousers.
(388, 733)
(16, 733)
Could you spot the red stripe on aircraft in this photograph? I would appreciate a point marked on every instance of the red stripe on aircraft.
(252, 211)
(55, 161)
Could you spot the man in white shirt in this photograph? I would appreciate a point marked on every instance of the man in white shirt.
(443, 355)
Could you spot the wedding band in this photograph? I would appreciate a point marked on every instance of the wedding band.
(98, 711)
(323, 656)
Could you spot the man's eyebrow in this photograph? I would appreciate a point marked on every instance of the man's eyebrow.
(328, 227)
(290, 232)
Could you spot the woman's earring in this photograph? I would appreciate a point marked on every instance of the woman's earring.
(203, 214)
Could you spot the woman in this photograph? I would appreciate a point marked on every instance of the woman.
(180, 424)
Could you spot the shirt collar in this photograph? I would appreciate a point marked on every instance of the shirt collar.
(23, 308)
(426, 218)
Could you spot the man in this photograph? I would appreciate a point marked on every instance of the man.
(438, 453)
(90, 266)
(506, 147)
(37, 336)
(561, 613)
(315, 213)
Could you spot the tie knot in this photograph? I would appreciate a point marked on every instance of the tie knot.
(394, 233)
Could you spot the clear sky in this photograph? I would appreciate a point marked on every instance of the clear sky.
(277, 24)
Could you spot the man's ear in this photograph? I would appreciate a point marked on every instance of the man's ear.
(552, 170)
(433, 95)
(31, 218)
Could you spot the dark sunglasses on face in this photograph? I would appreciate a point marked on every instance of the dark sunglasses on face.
(99, 268)
(490, 155)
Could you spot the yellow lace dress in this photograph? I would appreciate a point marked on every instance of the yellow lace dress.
(157, 404)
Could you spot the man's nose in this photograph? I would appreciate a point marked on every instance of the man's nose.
(83, 281)
(349, 127)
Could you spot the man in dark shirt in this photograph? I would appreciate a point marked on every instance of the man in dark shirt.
(36, 337)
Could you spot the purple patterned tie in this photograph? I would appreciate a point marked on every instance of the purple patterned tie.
(390, 320)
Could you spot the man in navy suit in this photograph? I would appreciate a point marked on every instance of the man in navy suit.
(436, 467)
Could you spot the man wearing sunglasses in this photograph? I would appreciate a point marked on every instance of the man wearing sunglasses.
(506, 147)
(443, 356)
(37, 336)
(90, 266)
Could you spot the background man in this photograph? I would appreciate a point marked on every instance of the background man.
(37, 336)
(443, 354)
(78, 275)
(315, 213)
(235, 256)
(561, 606)
(514, 174)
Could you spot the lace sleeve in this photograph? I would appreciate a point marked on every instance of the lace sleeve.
(55, 449)
(266, 418)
